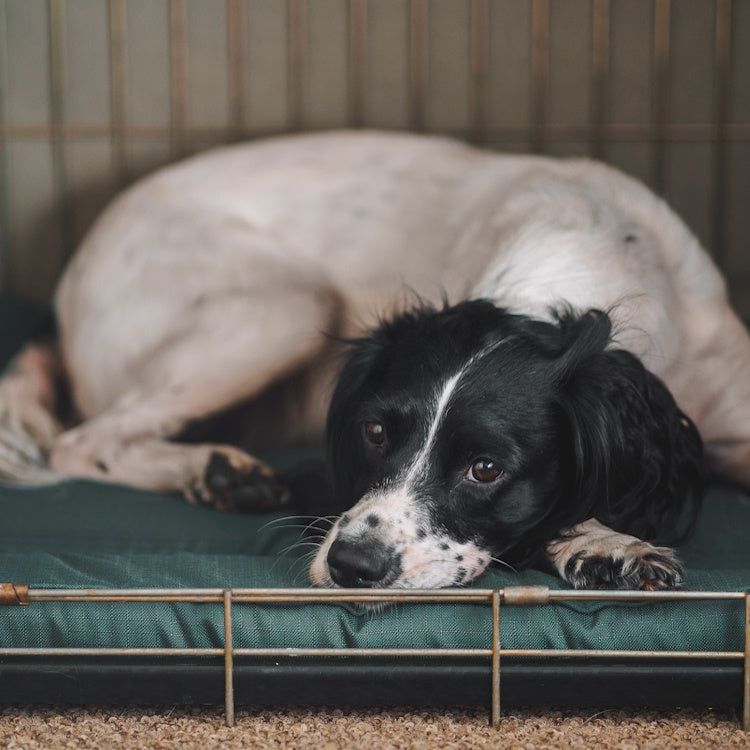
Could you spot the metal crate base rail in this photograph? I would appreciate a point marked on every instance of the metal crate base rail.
(23, 595)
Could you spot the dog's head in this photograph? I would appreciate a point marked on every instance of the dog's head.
(467, 434)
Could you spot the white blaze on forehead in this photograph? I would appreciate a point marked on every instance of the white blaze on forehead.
(441, 406)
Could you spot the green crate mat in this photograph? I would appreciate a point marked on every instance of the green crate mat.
(89, 535)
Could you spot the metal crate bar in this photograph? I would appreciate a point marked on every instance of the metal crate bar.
(722, 94)
(357, 62)
(228, 660)
(236, 64)
(58, 83)
(660, 90)
(297, 61)
(178, 74)
(600, 63)
(23, 595)
(6, 251)
(636, 132)
(540, 35)
(419, 62)
(479, 65)
(118, 87)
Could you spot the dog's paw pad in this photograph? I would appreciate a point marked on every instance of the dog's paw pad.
(242, 490)
(639, 566)
(657, 569)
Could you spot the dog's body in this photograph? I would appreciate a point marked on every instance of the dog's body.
(210, 281)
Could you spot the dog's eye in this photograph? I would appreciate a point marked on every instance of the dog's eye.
(375, 433)
(484, 470)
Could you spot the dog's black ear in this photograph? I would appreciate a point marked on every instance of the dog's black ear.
(636, 461)
(365, 356)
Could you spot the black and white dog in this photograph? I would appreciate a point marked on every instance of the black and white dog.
(470, 433)
(526, 410)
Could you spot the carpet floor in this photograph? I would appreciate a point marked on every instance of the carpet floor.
(372, 729)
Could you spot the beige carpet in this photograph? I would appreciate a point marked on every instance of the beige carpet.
(37, 727)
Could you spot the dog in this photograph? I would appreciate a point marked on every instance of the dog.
(550, 398)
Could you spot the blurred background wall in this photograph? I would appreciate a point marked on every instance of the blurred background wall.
(94, 93)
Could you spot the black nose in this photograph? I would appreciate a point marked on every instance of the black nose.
(357, 565)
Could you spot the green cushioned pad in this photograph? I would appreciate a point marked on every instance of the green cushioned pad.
(87, 535)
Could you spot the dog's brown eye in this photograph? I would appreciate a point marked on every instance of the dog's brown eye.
(375, 433)
(484, 470)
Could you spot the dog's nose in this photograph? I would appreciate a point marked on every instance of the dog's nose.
(357, 565)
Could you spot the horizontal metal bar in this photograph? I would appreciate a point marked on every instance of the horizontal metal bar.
(542, 653)
(624, 596)
(362, 596)
(534, 653)
(638, 132)
(176, 652)
(374, 652)
(259, 595)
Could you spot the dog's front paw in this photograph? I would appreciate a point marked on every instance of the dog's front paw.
(638, 566)
(241, 487)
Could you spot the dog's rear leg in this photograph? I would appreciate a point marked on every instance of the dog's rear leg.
(28, 401)
(231, 354)
(593, 556)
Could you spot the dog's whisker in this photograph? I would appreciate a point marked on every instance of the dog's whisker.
(296, 546)
(276, 523)
(503, 563)
(284, 519)
(284, 554)
(287, 526)
(305, 561)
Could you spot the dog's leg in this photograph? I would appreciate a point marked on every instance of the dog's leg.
(212, 367)
(28, 401)
(207, 474)
(592, 556)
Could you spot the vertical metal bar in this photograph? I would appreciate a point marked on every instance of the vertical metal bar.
(496, 659)
(228, 660)
(418, 62)
(480, 63)
(599, 74)
(58, 76)
(746, 687)
(117, 85)
(539, 72)
(357, 61)
(237, 64)
(178, 73)
(297, 60)
(660, 91)
(722, 97)
(6, 249)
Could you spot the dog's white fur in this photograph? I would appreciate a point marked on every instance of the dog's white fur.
(208, 281)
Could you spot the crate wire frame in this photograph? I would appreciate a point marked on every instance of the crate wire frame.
(540, 132)
(23, 595)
